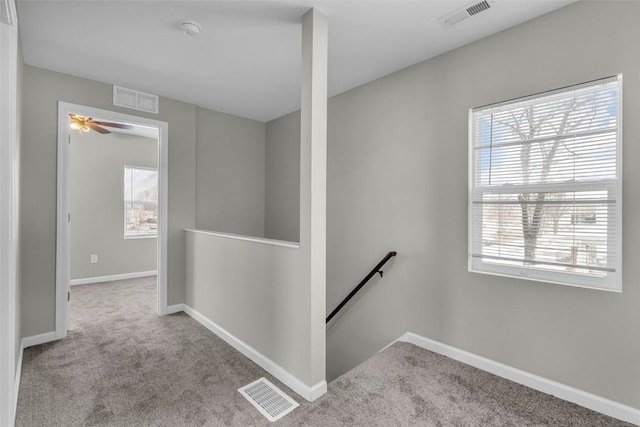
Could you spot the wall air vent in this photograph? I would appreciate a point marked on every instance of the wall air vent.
(464, 13)
(129, 98)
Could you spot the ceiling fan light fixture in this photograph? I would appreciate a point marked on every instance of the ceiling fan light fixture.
(79, 123)
(190, 28)
(84, 124)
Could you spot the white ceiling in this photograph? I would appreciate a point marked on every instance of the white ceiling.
(246, 61)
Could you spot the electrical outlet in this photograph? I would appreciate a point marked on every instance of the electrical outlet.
(94, 258)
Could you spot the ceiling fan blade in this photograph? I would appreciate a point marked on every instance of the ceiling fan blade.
(114, 125)
(97, 128)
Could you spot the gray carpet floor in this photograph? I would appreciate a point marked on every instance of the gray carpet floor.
(121, 365)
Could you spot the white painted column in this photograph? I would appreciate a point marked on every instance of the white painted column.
(313, 184)
(8, 207)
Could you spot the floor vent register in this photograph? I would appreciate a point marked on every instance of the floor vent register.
(268, 399)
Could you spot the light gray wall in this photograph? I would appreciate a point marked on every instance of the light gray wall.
(272, 297)
(97, 204)
(282, 182)
(398, 181)
(584, 338)
(230, 174)
(42, 90)
(254, 292)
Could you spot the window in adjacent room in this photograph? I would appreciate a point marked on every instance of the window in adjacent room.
(545, 186)
(140, 202)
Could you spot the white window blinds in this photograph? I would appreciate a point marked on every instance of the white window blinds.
(545, 198)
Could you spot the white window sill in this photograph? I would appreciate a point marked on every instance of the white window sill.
(144, 236)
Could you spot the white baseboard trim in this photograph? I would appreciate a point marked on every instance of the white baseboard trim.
(111, 278)
(317, 390)
(562, 391)
(307, 392)
(16, 386)
(402, 339)
(176, 308)
(38, 339)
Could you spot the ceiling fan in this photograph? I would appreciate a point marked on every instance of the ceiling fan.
(84, 124)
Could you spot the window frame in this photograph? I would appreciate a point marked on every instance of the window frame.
(128, 236)
(612, 281)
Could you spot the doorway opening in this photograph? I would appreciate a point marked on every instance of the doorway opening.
(112, 203)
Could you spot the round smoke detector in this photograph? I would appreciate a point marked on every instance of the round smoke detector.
(190, 28)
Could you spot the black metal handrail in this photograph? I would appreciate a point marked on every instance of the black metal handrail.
(355, 290)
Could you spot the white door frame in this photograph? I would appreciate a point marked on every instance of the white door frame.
(9, 201)
(63, 243)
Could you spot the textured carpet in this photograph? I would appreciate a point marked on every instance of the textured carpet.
(121, 365)
(406, 385)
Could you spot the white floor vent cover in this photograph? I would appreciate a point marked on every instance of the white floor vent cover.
(268, 399)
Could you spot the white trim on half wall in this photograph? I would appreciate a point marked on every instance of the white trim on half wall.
(63, 243)
(112, 277)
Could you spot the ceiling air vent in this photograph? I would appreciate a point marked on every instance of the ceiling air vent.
(477, 8)
(464, 13)
(129, 98)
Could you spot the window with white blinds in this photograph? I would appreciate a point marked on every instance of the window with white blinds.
(545, 186)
